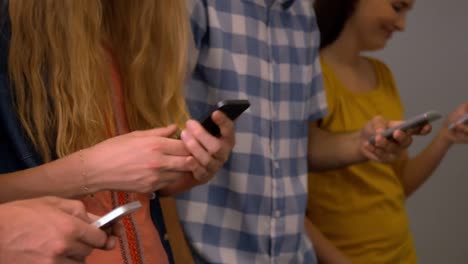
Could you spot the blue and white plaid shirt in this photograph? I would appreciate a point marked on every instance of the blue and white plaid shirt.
(265, 51)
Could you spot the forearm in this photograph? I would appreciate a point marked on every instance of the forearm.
(325, 250)
(418, 169)
(333, 150)
(61, 178)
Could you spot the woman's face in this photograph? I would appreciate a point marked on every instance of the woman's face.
(375, 21)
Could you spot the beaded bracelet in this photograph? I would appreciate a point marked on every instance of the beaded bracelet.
(83, 171)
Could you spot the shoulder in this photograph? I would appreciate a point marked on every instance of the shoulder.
(386, 80)
(380, 66)
(197, 10)
(384, 74)
(329, 78)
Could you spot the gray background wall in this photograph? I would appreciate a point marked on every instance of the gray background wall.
(430, 64)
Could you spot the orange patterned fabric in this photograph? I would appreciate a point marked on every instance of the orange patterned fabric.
(129, 232)
(141, 242)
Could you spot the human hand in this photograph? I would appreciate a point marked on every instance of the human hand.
(209, 151)
(385, 150)
(459, 133)
(141, 161)
(116, 229)
(48, 230)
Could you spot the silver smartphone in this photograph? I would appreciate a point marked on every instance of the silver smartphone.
(461, 120)
(115, 215)
(416, 122)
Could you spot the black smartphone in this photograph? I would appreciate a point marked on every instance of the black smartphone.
(416, 122)
(231, 108)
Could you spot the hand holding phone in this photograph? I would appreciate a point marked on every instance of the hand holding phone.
(462, 120)
(417, 122)
(115, 215)
(231, 108)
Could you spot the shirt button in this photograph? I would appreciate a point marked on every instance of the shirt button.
(276, 165)
(153, 196)
(277, 213)
(166, 237)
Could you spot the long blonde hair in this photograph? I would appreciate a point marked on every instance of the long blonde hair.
(60, 74)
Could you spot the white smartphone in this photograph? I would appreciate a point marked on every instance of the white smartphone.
(115, 215)
(461, 120)
(412, 123)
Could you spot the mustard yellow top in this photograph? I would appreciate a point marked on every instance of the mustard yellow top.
(361, 208)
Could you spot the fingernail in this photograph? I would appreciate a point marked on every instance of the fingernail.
(190, 124)
(185, 135)
(111, 243)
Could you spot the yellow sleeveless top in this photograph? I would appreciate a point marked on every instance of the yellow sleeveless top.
(361, 208)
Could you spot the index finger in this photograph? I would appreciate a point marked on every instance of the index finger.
(174, 147)
(426, 129)
(72, 207)
(379, 124)
(403, 139)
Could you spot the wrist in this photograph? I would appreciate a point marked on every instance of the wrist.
(88, 172)
(83, 172)
(360, 143)
(444, 140)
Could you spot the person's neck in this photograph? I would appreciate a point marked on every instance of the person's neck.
(344, 51)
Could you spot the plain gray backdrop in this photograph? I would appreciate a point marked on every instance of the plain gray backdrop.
(430, 65)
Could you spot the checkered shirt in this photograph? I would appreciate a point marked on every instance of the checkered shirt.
(265, 51)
